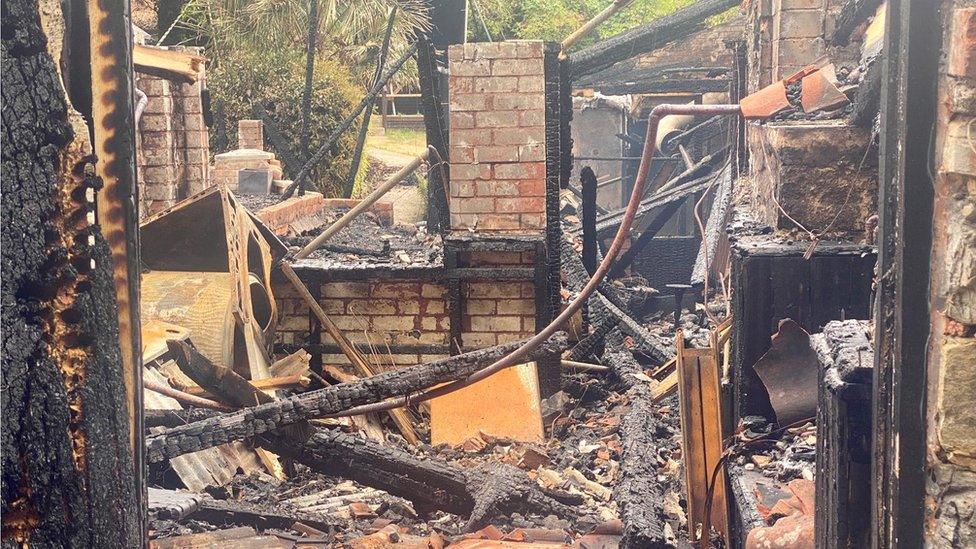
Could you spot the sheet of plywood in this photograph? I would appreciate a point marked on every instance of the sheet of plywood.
(506, 405)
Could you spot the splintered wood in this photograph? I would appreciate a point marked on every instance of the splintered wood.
(701, 434)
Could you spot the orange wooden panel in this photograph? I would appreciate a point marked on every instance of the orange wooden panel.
(506, 404)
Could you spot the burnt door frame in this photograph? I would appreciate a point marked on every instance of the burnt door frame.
(913, 41)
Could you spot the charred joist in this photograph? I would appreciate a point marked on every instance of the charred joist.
(647, 37)
(714, 230)
(482, 494)
(851, 16)
(267, 417)
(638, 493)
(669, 85)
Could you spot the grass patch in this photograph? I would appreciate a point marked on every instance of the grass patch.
(405, 141)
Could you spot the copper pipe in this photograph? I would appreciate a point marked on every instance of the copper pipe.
(520, 355)
(185, 398)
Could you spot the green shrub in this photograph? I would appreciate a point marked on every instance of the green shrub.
(276, 80)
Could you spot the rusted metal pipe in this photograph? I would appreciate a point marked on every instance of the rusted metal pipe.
(185, 398)
(141, 103)
(521, 354)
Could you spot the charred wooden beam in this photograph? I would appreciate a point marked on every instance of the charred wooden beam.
(224, 512)
(668, 85)
(714, 231)
(647, 37)
(256, 420)
(851, 16)
(592, 344)
(357, 154)
(333, 349)
(605, 303)
(313, 32)
(433, 91)
(661, 198)
(69, 395)
(277, 139)
(588, 184)
(909, 106)
(324, 148)
(868, 99)
(482, 494)
(638, 493)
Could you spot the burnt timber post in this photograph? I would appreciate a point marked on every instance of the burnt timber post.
(588, 185)
(908, 110)
(69, 474)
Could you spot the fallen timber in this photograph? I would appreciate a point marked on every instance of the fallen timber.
(647, 37)
(606, 304)
(255, 420)
(483, 493)
(638, 493)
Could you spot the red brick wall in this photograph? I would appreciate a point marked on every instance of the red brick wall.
(397, 312)
(172, 144)
(497, 138)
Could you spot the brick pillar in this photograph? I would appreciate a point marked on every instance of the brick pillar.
(250, 134)
(497, 139)
(172, 143)
(798, 35)
(156, 147)
(196, 138)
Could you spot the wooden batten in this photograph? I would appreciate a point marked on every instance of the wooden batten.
(701, 432)
(171, 64)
